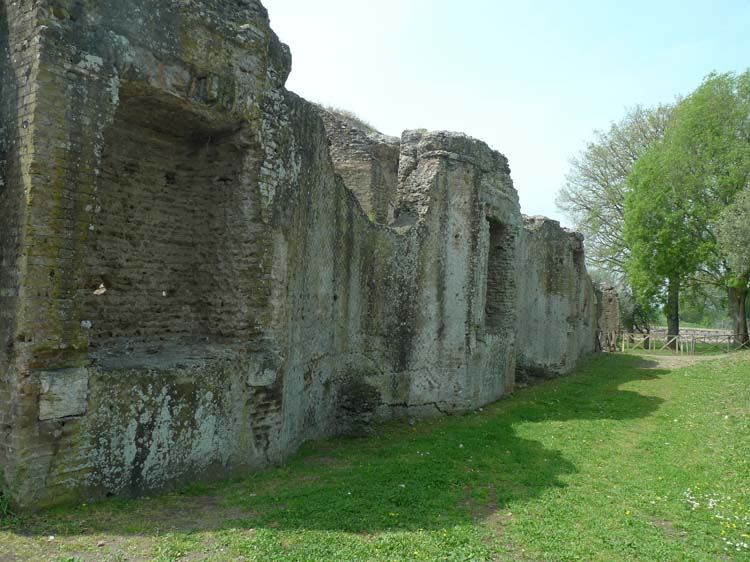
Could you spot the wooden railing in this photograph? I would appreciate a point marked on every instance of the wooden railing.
(684, 344)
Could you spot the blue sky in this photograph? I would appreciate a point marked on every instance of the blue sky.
(532, 79)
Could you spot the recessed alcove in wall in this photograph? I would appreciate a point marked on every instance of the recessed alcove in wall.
(171, 250)
(500, 295)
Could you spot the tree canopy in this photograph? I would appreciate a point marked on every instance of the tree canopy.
(679, 187)
(594, 194)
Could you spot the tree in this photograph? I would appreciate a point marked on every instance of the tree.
(679, 187)
(734, 239)
(663, 230)
(716, 126)
(704, 304)
(594, 194)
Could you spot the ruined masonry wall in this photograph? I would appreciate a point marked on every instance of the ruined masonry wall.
(608, 306)
(190, 289)
(126, 391)
(557, 306)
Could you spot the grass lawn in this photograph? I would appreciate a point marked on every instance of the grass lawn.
(631, 458)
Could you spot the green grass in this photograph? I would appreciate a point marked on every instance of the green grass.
(351, 118)
(624, 460)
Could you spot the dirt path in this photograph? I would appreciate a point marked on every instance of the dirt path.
(678, 361)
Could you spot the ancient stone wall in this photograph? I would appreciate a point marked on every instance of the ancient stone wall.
(609, 324)
(557, 303)
(196, 284)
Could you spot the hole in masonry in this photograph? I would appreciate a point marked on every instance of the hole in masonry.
(103, 286)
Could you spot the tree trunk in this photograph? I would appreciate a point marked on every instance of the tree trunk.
(738, 300)
(672, 310)
(742, 317)
(733, 312)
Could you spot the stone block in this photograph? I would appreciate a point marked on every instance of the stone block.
(64, 393)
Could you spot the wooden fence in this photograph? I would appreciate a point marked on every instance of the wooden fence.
(684, 344)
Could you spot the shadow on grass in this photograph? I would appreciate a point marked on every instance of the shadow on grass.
(434, 474)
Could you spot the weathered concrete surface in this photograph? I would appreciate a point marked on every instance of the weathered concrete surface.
(189, 287)
(557, 305)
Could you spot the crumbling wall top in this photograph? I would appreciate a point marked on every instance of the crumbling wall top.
(366, 159)
(454, 146)
(423, 152)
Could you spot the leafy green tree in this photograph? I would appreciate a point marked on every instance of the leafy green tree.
(704, 305)
(679, 187)
(734, 239)
(594, 194)
(662, 229)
